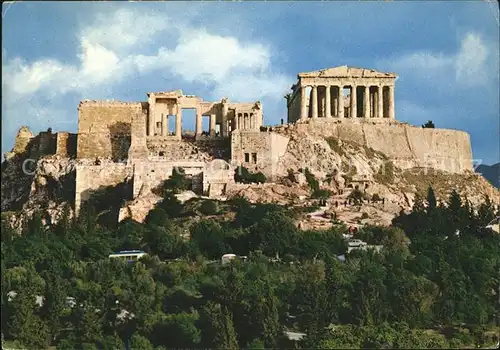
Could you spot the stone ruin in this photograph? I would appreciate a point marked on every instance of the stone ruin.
(132, 141)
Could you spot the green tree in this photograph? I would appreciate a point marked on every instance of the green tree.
(177, 182)
(140, 342)
(428, 124)
(431, 199)
(311, 180)
(171, 205)
(209, 207)
(23, 323)
(54, 306)
(217, 330)
(274, 234)
(209, 237)
(486, 212)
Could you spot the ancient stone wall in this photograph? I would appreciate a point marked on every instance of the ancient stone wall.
(217, 175)
(22, 141)
(104, 128)
(441, 148)
(47, 143)
(294, 107)
(138, 147)
(66, 144)
(149, 174)
(93, 177)
(407, 146)
(257, 151)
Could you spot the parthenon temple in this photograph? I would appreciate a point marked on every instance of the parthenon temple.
(224, 116)
(342, 93)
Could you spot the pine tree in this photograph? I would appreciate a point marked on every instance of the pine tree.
(431, 200)
(230, 341)
(64, 222)
(455, 209)
(217, 329)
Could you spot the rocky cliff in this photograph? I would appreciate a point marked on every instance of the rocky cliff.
(47, 183)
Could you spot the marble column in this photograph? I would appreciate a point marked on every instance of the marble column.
(380, 101)
(340, 112)
(178, 122)
(328, 102)
(314, 98)
(391, 102)
(366, 103)
(236, 121)
(199, 121)
(303, 103)
(164, 124)
(212, 125)
(354, 102)
(224, 123)
(151, 116)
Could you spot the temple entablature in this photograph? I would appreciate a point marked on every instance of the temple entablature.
(344, 93)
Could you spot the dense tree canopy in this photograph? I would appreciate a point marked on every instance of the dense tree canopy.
(434, 284)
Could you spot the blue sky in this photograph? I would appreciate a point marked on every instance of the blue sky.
(55, 54)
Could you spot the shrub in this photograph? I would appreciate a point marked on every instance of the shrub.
(209, 207)
(243, 175)
(385, 173)
(429, 124)
(322, 194)
(357, 196)
(177, 182)
(311, 180)
(335, 145)
(376, 197)
(364, 216)
(259, 178)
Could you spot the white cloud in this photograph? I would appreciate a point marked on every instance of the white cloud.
(471, 61)
(124, 29)
(117, 46)
(469, 66)
(198, 56)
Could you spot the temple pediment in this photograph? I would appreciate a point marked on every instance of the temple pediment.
(345, 71)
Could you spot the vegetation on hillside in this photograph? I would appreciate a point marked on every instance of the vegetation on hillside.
(430, 287)
(243, 175)
(428, 124)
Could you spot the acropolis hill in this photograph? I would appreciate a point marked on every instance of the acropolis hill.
(342, 106)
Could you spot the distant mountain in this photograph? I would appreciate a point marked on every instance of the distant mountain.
(490, 173)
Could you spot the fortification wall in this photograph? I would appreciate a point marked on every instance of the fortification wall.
(138, 146)
(441, 148)
(22, 141)
(392, 141)
(66, 144)
(104, 128)
(279, 145)
(93, 177)
(407, 146)
(47, 143)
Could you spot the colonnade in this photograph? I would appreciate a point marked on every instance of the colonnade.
(374, 105)
(245, 121)
(178, 124)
